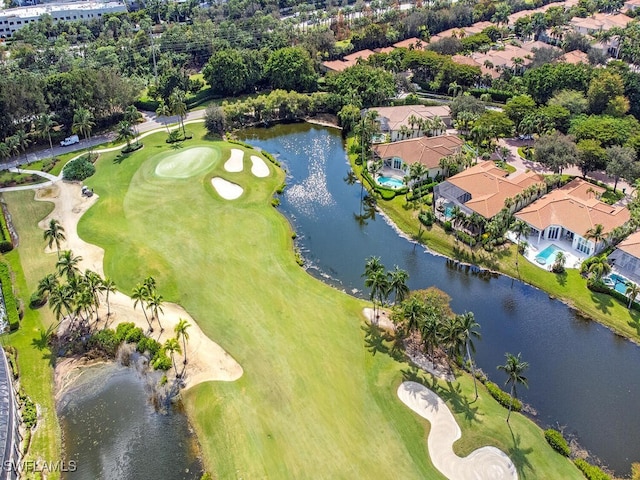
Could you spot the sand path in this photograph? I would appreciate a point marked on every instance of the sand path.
(226, 189)
(487, 463)
(207, 360)
(258, 167)
(235, 162)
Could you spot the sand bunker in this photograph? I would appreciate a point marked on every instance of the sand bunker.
(187, 163)
(258, 167)
(483, 463)
(234, 164)
(226, 189)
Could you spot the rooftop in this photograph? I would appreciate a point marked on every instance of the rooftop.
(395, 117)
(38, 10)
(575, 57)
(631, 245)
(576, 207)
(425, 150)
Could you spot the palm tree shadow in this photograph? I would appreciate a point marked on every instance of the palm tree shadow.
(603, 302)
(518, 455)
(458, 402)
(377, 340)
(561, 278)
(41, 342)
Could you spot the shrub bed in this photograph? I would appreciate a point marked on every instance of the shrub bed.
(598, 286)
(29, 411)
(503, 398)
(557, 441)
(591, 471)
(426, 218)
(421, 191)
(10, 302)
(132, 147)
(466, 238)
(78, 169)
(6, 243)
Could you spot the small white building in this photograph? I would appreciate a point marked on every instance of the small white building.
(13, 19)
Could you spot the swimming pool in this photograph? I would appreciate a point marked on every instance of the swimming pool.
(617, 282)
(548, 254)
(390, 182)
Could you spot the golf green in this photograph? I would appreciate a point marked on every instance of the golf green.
(187, 163)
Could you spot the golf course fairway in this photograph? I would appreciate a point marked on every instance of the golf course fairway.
(318, 394)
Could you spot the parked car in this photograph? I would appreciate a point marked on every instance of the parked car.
(70, 141)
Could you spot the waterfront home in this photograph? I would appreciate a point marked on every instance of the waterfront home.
(483, 189)
(410, 121)
(397, 157)
(569, 215)
(625, 259)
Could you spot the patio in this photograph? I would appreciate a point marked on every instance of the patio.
(574, 257)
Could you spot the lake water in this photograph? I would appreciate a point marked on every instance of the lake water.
(112, 432)
(582, 377)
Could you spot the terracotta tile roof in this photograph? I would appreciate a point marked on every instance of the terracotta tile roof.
(348, 61)
(359, 55)
(489, 187)
(384, 50)
(398, 116)
(631, 244)
(575, 57)
(576, 208)
(410, 42)
(425, 150)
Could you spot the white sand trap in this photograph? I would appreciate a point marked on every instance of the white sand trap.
(226, 189)
(187, 163)
(258, 167)
(234, 164)
(483, 463)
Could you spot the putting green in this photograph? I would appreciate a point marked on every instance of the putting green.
(187, 163)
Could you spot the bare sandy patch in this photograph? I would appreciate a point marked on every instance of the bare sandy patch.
(258, 167)
(235, 162)
(226, 189)
(488, 463)
(207, 361)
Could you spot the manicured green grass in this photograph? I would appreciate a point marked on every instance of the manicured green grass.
(29, 264)
(315, 401)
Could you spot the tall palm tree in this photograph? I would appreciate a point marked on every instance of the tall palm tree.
(514, 368)
(59, 299)
(83, 123)
(44, 125)
(132, 115)
(172, 346)
(397, 279)
(520, 228)
(599, 267)
(412, 311)
(13, 145)
(632, 291)
(23, 141)
(468, 331)
(48, 284)
(596, 234)
(109, 287)
(163, 110)
(125, 132)
(67, 265)
(154, 302)
(181, 331)
(139, 295)
(378, 284)
(54, 234)
(5, 152)
(179, 107)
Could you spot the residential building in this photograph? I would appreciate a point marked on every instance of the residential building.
(409, 121)
(575, 57)
(13, 19)
(631, 5)
(626, 257)
(482, 189)
(569, 213)
(397, 157)
(348, 61)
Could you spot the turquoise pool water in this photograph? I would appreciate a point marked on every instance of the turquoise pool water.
(390, 182)
(448, 212)
(548, 254)
(617, 282)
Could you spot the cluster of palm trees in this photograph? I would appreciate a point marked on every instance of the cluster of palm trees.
(175, 106)
(382, 283)
(127, 128)
(172, 345)
(146, 295)
(430, 127)
(14, 145)
(452, 164)
(524, 198)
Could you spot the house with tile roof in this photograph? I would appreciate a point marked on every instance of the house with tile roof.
(397, 157)
(626, 257)
(568, 213)
(408, 121)
(348, 61)
(481, 189)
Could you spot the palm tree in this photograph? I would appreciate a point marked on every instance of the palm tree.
(172, 346)
(514, 368)
(67, 264)
(179, 107)
(109, 287)
(125, 132)
(23, 141)
(140, 296)
(83, 123)
(181, 331)
(44, 125)
(632, 291)
(378, 284)
(59, 298)
(558, 265)
(412, 312)
(163, 110)
(599, 267)
(468, 331)
(154, 302)
(132, 115)
(54, 234)
(596, 234)
(48, 284)
(520, 228)
(5, 152)
(13, 145)
(397, 280)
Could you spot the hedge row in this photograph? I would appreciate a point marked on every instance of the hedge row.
(598, 286)
(466, 238)
(10, 302)
(496, 95)
(591, 471)
(421, 191)
(241, 143)
(557, 441)
(6, 243)
(503, 398)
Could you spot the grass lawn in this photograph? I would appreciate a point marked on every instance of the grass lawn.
(318, 396)
(29, 264)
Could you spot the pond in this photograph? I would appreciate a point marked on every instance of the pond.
(111, 431)
(582, 377)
